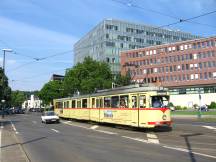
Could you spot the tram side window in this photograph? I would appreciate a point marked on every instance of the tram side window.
(78, 104)
(65, 105)
(101, 102)
(97, 103)
(124, 101)
(115, 101)
(84, 103)
(73, 103)
(59, 105)
(93, 103)
(107, 101)
(134, 101)
(142, 101)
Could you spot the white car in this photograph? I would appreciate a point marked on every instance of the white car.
(49, 117)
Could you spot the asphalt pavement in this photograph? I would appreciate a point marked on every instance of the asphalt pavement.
(74, 141)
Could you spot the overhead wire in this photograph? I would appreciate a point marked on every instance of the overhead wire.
(38, 75)
(40, 59)
(180, 20)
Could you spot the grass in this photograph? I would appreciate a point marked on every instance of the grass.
(184, 112)
(208, 120)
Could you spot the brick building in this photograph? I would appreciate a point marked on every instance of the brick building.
(186, 68)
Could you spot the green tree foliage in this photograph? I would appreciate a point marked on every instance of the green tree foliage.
(50, 91)
(212, 105)
(5, 90)
(87, 76)
(122, 80)
(17, 98)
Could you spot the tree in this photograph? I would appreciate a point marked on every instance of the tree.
(17, 98)
(5, 90)
(50, 91)
(87, 76)
(121, 80)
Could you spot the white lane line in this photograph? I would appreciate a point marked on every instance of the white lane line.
(55, 130)
(155, 141)
(14, 128)
(106, 132)
(69, 123)
(209, 127)
(136, 139)
(185, 150)
(152, 138)
(101, 131)
(94, 127)
(150, 135)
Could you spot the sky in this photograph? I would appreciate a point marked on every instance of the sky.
(36, 29)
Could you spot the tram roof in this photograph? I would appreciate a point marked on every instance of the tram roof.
(121, 90)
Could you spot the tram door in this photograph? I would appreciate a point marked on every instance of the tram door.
(134, 109)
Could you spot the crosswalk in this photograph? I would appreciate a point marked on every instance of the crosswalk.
(209, 127)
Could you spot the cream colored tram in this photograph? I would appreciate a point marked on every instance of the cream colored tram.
(135, 105)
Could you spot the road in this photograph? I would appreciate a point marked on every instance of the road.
(72, 141)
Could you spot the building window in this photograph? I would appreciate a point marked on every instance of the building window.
(196, 76)
(183, 67)
(110, 44)
(205, 75)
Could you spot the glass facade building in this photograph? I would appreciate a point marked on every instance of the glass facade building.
(105, 41)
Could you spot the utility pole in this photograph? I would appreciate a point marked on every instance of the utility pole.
(3, 87)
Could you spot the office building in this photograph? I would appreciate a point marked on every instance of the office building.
(105, 41)
(187, 68)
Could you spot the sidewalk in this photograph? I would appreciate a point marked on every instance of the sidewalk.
(10, 149)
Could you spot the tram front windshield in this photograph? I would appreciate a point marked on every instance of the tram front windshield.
(159, 101)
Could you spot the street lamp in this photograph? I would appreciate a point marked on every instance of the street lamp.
(199, 111)
(4, 51)
(3, 88)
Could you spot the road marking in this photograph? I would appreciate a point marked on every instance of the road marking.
(94, 127)
(14, 128)
(155, 141)
(185, 150)
(152, 138)
(150, 135)
(55, 130)
(136, 139)
(209, 127)
(69, 123)
(106, 132)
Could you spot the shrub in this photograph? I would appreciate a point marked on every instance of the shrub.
(184, 108)
(212, 105)
(178, 107)
(170, 104)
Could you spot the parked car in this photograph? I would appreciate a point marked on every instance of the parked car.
(203, 108)
(49, 117)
